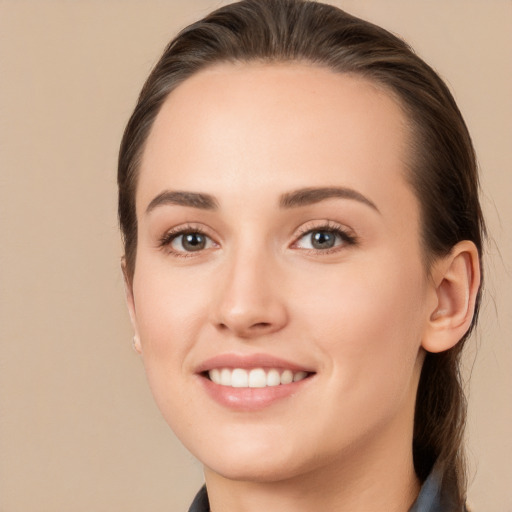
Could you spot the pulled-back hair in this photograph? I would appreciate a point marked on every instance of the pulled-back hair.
(442, 169)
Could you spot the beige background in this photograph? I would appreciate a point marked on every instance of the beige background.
(78, 427)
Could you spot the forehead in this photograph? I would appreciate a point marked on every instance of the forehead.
(298, 124)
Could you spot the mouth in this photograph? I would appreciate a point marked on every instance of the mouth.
(255, 377)
(252, 382)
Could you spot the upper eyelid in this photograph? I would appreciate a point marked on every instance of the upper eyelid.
(188, 227)
(347, 234)
(327, 225)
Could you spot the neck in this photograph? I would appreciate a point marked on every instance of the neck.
(379, 477)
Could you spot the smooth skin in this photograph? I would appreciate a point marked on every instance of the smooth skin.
(359, 312)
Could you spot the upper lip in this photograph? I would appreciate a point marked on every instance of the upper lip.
(232, 360)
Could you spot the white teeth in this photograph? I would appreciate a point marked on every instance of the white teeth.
(273, 378)
(286, 377)
(225, 377)
(239, 378)
(299, 376)
(215, 376)
(255, 378)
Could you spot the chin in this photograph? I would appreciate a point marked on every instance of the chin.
(264, 470)
(249, 460)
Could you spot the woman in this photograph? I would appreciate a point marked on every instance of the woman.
(298, 198)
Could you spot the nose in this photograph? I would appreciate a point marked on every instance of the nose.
(251, 299)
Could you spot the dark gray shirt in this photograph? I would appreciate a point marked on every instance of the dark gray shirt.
(436, 495)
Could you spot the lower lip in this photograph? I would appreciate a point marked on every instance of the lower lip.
(251, 399)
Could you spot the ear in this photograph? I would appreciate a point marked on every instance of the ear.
(456, 281)
(128, 288)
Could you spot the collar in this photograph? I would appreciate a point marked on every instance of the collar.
(437, 494)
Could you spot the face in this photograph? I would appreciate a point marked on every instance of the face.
(279, 293)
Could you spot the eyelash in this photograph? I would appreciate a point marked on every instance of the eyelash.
(169, 237)
(348, 239)
(328, 227)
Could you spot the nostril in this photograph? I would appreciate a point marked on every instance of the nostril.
(261, 325)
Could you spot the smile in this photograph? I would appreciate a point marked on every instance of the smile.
(253, 382)
(254, 378)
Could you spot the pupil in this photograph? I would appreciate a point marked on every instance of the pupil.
(194, 242)
(322, 240)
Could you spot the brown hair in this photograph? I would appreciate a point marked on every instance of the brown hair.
(442, 167)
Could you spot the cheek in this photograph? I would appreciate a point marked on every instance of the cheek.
(369, 321)
(166, 297)
(171, 308)
(170, 312)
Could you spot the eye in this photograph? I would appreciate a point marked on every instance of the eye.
(190, 242)
(324, 238)
(186, 240)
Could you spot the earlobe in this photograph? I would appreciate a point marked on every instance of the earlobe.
(128, 287)
(456, 278)
(136, 344)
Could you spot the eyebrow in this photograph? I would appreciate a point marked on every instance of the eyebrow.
(308, 196)
(295, 199)
(183, 198)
